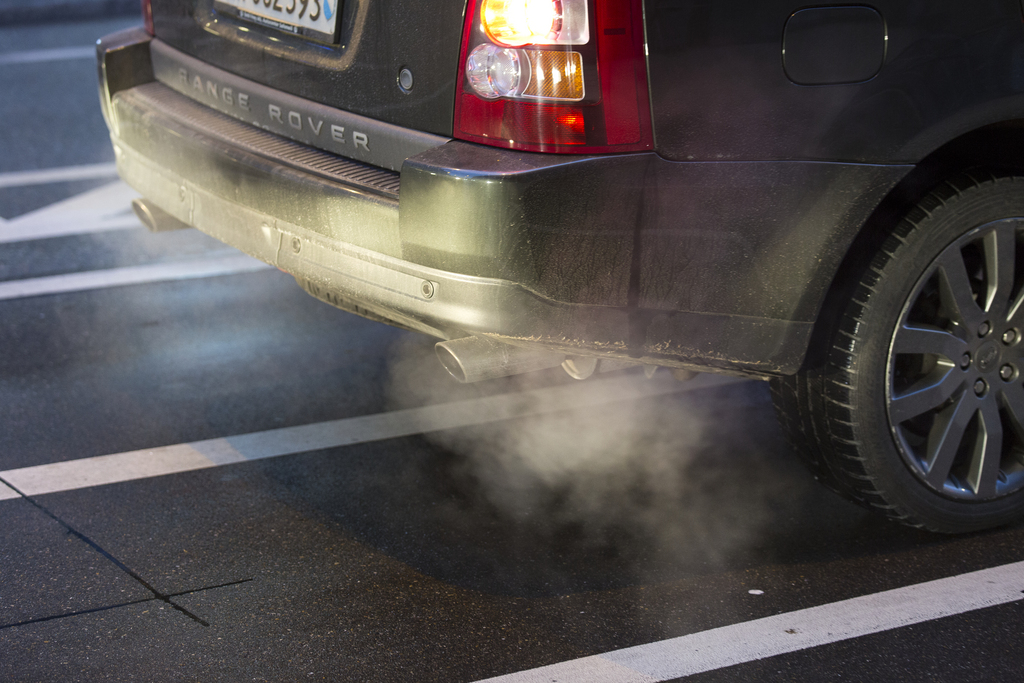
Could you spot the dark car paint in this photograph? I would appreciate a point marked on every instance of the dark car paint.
(720, 249)
(378, 38)
(750, 240)
(720, 90)
(833, 45)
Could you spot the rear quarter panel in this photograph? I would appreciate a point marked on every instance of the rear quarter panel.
(720, 90)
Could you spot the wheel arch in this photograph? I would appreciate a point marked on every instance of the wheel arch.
(996, 148)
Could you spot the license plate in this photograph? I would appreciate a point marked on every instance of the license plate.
(317, 19)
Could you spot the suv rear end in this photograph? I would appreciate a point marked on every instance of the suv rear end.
(597, 183)
(334, 161)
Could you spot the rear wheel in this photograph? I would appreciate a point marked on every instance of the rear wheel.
(919, 408)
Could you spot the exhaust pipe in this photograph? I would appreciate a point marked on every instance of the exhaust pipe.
(154, 218)
(582, 367)
(472, 359)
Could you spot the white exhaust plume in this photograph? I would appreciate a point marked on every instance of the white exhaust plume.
(692, 478)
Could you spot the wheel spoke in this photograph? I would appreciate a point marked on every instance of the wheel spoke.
(955, 290)
(1013, 402)
(987, 452)
(1016, 309)
(1000, 248)
(944, 440)
(928, 394)
(922, 339)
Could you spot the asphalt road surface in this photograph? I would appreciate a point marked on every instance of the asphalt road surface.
(206, 475)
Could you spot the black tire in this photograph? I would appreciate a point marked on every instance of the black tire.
(918, 410)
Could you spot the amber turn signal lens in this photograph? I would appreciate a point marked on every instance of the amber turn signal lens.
(555, 75)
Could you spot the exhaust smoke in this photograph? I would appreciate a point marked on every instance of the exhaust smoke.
(651, 486)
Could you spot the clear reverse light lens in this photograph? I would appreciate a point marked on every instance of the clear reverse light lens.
(497, 72)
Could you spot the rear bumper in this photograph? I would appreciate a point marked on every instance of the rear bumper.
(341, 241)
(560, 252)
(334, 224)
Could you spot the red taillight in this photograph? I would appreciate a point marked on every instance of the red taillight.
(580, 87)
(147, 17)
(501, 121)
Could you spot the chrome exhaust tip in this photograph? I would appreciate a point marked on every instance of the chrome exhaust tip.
(473, 359)
(154, 218)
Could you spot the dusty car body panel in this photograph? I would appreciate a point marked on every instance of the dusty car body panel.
(716, 251)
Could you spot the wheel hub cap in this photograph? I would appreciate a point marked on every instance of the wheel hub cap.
(988, 357)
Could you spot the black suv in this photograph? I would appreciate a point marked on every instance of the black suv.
(830, 197)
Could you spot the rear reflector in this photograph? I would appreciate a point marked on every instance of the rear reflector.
(507, 121)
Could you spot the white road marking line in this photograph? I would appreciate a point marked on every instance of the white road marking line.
(153, 462)
(104, 208)
(131, 275)
(655, 662)
(6, 492)
(784, 633)
(49, 55)
(58, 175)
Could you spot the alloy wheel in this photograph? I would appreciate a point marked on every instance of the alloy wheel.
(956, 380)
